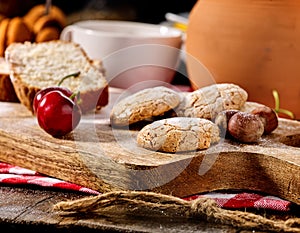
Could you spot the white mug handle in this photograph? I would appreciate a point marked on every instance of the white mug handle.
(66, 33)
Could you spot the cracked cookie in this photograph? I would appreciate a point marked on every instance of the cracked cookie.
(208, 101)
(143, 105)
(178, 134)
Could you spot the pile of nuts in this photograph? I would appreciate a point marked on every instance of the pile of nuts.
(247, 126)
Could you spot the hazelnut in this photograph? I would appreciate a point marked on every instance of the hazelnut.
(268, 117)
(245, 127)
(221, 120)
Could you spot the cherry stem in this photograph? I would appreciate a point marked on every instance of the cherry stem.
(68, 76)
(76, 94)
(277, 106)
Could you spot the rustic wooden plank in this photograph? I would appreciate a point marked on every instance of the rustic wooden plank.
(102, 158)
(29, 209)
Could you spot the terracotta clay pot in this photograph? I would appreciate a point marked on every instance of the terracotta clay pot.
(255, 44)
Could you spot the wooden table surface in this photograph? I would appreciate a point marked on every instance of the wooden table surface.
(29, 209)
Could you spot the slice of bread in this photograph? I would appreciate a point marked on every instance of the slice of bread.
(34, 66)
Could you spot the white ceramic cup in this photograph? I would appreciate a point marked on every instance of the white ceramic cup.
(131, 52)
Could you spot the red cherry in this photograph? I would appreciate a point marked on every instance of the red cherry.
(39, 95)
(57, 114)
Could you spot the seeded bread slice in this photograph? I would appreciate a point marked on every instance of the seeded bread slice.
(34, 66)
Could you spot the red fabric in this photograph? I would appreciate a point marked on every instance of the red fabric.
(246, 200)
(10, 174)
(15, 175)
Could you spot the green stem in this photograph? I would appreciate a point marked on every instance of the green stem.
(277, 106)
(276, 98)
(286, 112)
(68, 76)
(74, 95)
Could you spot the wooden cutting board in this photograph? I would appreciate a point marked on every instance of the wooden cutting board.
(105, 159)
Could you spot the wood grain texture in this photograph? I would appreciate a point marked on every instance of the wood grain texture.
(30, 210)
(102, 158)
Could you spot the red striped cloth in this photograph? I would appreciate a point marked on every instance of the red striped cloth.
(10, 174)
(14, 175)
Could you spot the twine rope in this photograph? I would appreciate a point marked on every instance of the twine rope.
(137, 202)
